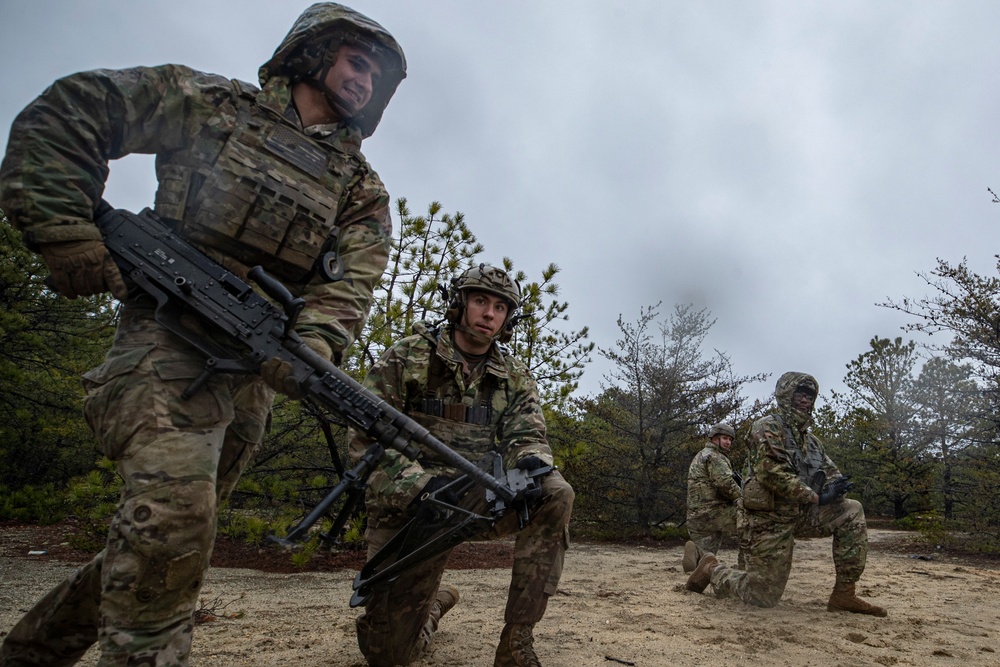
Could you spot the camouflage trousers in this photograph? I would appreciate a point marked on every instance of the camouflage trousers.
(394, 629)
(767, 540)
(179, 460)
(709, 528)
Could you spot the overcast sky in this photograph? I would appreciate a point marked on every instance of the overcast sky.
(786, 165)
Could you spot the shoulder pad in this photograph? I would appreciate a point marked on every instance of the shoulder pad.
(427, 329)
(511, 362)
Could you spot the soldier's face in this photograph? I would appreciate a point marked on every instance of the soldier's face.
(803, 400)
(724, 442)
(352, 78)
(485, 313)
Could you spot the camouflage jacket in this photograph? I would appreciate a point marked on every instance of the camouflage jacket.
(497, 409)
(710, 481)
(57, 159)
(784, 463)
(787, 455)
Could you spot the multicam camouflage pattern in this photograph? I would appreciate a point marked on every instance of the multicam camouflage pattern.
(712, 494)
(394, 629)
(329, 21)
(179, 458)
(57, 161)
(786, 460)
(486, 278)
(770, 541)
(786, 455)
(515, 427)
(490, 279)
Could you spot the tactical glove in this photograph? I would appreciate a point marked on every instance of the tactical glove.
(835, 489)
(82, 268)
(529, 463)
(817, 481)
(277, 373)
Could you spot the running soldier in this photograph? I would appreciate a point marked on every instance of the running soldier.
(795, 491)
(271, 176)
(468, 390)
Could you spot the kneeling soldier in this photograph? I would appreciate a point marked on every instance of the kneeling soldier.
(788, 497)
(469, 391)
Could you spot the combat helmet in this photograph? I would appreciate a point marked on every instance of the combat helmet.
(484, 278)
(308, 51)
(722, 428)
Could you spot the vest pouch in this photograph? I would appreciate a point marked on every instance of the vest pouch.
(272, 198)
(756, 497)
(172, 191)
(471, 441)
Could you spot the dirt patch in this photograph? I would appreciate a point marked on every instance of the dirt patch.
(55, 544)
(616, 604)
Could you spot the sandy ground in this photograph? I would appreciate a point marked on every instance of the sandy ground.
(616, 605)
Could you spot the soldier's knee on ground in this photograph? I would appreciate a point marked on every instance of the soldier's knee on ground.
(376, 643)
(154, 570)
(763, 594)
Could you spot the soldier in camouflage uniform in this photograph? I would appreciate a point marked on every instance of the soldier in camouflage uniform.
(713, 489)
(787, 498)
(470, 392)
(271, 176)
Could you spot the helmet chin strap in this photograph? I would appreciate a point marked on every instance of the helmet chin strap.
(336, 102)
(475, 335)
(459, 324)
(341, 106)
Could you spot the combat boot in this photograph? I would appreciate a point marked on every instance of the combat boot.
(702, 575)
(692, 554)
(844, 599)
(446, 598)
(516, 647)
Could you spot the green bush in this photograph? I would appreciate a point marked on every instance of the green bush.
(302, 556)
(929, 524)
(246, 528)
(354, 532)
(669, 532)
(92, 500)
(32, 504)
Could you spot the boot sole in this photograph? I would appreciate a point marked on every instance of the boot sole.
(690, 560)
(880, 613)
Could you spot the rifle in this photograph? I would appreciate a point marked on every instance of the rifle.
(187, 283)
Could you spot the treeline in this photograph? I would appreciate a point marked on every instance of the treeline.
(916, 428)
